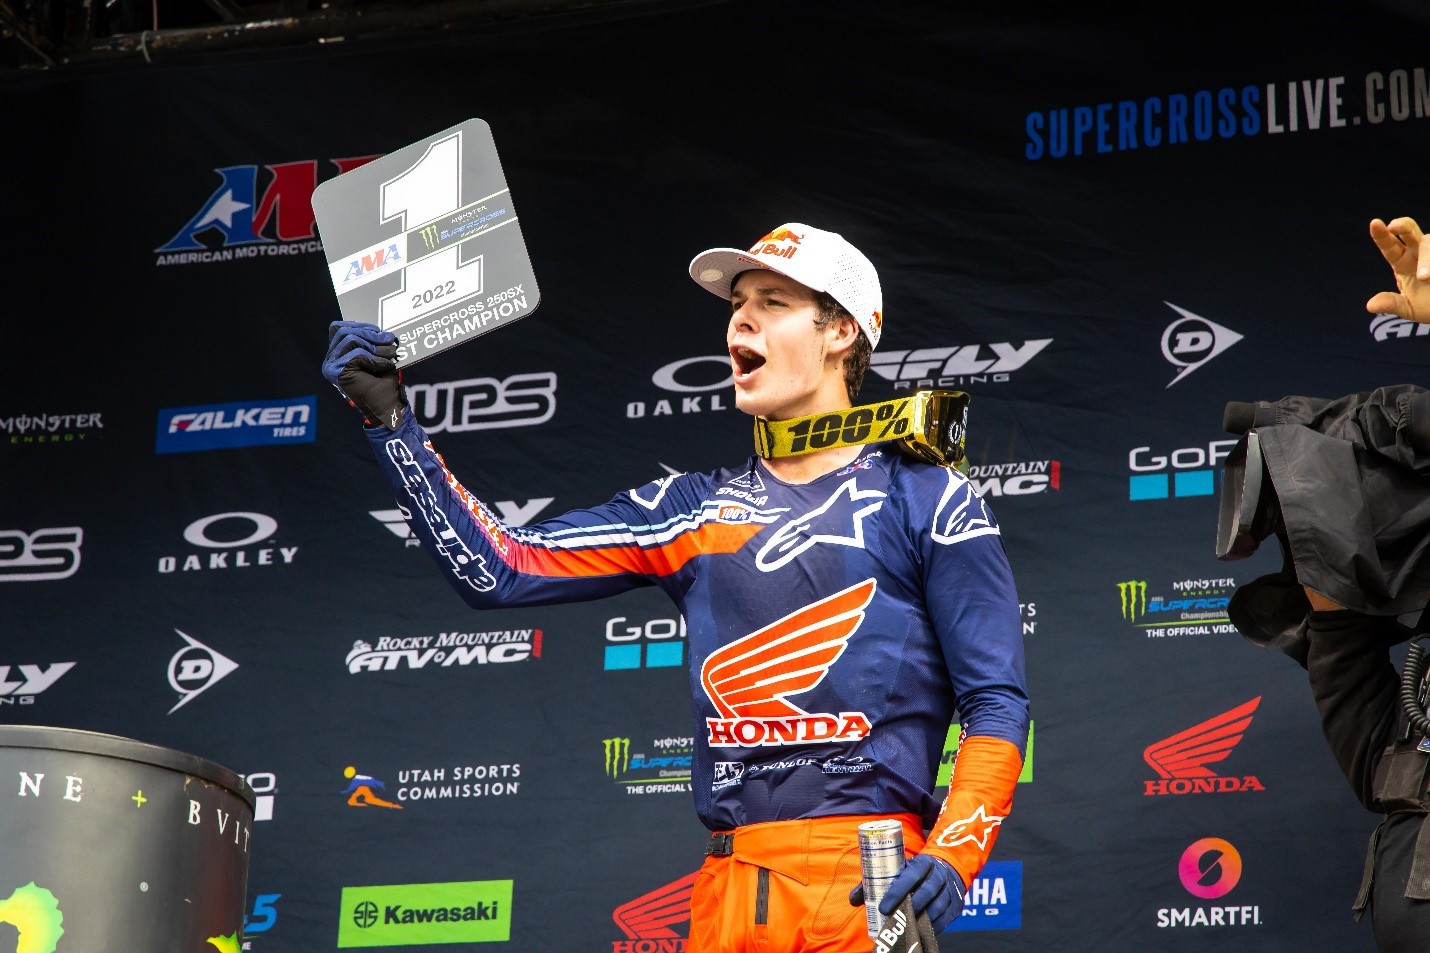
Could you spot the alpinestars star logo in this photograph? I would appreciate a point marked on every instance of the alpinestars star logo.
(1182, 759)
(977, 828)
(830, 522)
(748, 680)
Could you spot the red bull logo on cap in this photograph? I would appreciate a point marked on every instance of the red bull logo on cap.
(769, 245)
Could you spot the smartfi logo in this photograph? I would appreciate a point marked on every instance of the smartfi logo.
(648, 920)
(236, 222)
(1181, 760)
(748, 680)
(474, 911)
(1209, 869)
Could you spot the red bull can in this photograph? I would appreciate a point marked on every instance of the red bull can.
(881, 856)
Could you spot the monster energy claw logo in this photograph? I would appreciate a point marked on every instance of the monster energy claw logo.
(618, 755)
(429, 236)
(1133, 595)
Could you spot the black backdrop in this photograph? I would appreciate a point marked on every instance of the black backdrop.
(1097, 203)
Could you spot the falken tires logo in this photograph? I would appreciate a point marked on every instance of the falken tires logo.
(474, 911)
(748, 680)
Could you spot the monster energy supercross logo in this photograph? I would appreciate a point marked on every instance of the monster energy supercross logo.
(618, 755)
(1134, 598)
(429, 236)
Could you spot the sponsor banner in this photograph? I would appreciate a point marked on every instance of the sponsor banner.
(226, 541)
(444, 650)
(441, 783)
(44, 554)
(236, 424)
(1181, 607)
(994, 900)
(28, 681)
(1016, 478)
(958, 366)
(472, 911)
(1185, 471)
(31, 429)
(661, 766)
(1181, 760)
(1210, 869)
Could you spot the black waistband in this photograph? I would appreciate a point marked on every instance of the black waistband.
(721, 845)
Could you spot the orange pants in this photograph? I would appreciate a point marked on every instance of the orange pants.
(785, 889)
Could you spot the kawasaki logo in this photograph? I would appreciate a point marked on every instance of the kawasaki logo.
(473, 911)
(396, 913)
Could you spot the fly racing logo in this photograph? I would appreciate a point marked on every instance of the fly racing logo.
(33, 680)
(194, 669)
(1192, 340)
(1383, 327)
(1181, 760)
(839, 520)
(512, 514)
(236, 222)
(748, 680)
(961, 364)
(647, 921)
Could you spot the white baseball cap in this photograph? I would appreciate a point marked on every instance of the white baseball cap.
(819, 260)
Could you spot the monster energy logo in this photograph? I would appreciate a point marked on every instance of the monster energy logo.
(1134, 598)
(429, 236)
(618, 755)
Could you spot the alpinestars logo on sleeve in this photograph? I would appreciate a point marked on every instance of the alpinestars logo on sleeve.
(749, 679)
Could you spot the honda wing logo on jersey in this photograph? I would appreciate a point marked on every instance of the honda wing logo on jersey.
(828, 523)
(748, 680)
(1182, 759)
(1192, 341)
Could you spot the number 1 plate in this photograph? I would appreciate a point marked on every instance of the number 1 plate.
(424, 242)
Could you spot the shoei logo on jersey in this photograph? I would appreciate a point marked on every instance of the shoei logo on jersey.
(748, 680)
(648, 920)
(1181, 760)
(955, 366)
(1383, 327)
(239, 424)
(1192, 341)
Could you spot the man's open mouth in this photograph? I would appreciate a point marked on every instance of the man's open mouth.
(746, 360)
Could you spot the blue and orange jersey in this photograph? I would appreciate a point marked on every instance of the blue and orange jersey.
(834, 627)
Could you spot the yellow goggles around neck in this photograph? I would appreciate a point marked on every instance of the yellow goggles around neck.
(929, 425)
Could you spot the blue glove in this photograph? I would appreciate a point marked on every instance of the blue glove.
(936, 888)
(362, 364)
